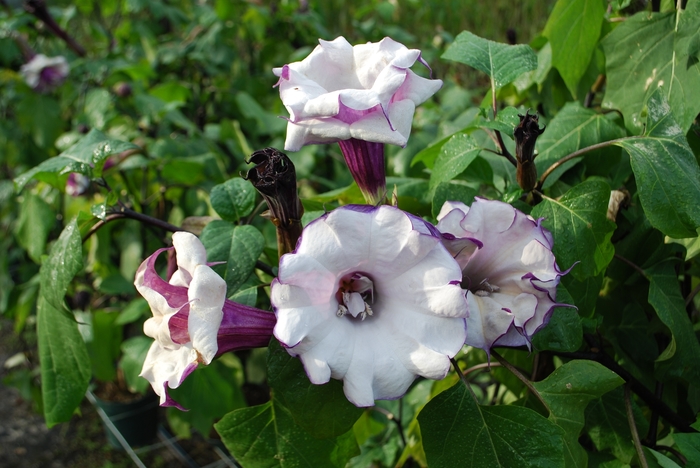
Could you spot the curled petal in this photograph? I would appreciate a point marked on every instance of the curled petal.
(165, 369)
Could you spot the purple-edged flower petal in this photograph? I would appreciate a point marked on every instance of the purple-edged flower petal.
(360, 96)
(371, 297)
(509, 270)
(192, 321)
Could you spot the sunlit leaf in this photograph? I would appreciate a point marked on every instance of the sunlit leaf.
(580, 227)
(650, 51)
(503, 63)
(64, 261)
(573, 29)
(86, 157)
(233, 199)
(666, 171)
(454, 157)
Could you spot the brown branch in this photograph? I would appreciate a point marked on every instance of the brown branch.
(40, 11)
(692, 294)
(504, 150)
(576, 154)
(632, 264)
(633, 429)
(522, 378)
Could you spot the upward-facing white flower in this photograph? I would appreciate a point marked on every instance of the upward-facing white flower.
(508, 269)
(370, 296)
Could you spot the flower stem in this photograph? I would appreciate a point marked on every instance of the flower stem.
(522, 378)
(633, 429)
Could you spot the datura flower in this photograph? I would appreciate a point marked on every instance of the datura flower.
(370, 296)
(45, 73)
(508, 269)
(192, 321)
(361, 97)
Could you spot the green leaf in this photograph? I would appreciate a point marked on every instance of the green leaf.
(689, 444)
(238, 246)
(563, 333)
(87, 157)
(573, 128)
(134, 352)
(457, 431)
(580, 227)
(321, 410)
(65, 365)
(650, 51)
(98, 107)
(658, 460)
(607, 425)
(567, 391)
(133, 311)
(665, 297)
(265, 436)
(666, 171)
(233, 199)
(62, 264)
(454, 157)
(41, 116)
(573, 30)
(36, 218)
(503, 63)
(103, 348)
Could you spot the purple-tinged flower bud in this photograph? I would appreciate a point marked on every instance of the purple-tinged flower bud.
(192, 321)
(45, 73)
(526, 134)
(275, 178)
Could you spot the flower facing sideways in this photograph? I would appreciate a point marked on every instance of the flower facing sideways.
(45, 73)
(360, 97)
(508, 269)
(370, 296)
(192, 321)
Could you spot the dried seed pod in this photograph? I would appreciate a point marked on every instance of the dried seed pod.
(526, 134)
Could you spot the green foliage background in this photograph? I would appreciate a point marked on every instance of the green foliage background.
(177, 94)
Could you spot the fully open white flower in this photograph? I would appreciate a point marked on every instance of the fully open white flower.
(366, 92)
(508, 268)
(372, 297)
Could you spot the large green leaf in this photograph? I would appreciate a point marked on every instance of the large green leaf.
(580, 227)
(573, 128)
(456, 431)
(233, 199)
(690, 447)
(503, 63)
(608, 428)
(573, 29)
(682, 357)
(63, 263)
(134, 352)
(266, 436)
(454, 157)
(650, 51)
(567, 391)
(321, 410)
(65, 365)
(36, 218)
(238, 246)
(87, 157)
(667, 173)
